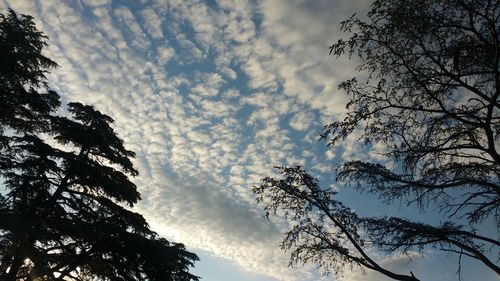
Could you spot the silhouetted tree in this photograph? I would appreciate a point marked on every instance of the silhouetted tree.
(62, 179)
(25, 95)
(432, 100)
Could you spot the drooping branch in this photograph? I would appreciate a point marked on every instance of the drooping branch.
(393, 234)
(298, 197)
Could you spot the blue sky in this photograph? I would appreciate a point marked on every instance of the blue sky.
(211, 95)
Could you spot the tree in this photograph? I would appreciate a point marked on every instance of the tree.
(432, 100)
(26, 97)
(63, 179)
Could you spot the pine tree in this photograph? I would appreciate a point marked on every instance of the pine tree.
(61, 206)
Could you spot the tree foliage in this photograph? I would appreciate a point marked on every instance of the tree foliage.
(63, 179)
(431, 98)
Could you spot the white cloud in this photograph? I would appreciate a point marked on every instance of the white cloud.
(96, 3)
(330, 154)
(164, 53)
(229, 73)
(302, 120)
(188, 46)
(128, 19)
(259, 76)
(153, 23)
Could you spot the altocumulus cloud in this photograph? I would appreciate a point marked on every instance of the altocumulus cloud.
(210, 97)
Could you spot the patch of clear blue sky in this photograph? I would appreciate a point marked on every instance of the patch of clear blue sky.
(212, 268)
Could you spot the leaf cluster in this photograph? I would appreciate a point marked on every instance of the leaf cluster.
(432, 100)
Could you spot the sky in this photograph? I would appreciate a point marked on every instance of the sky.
(211, 95)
